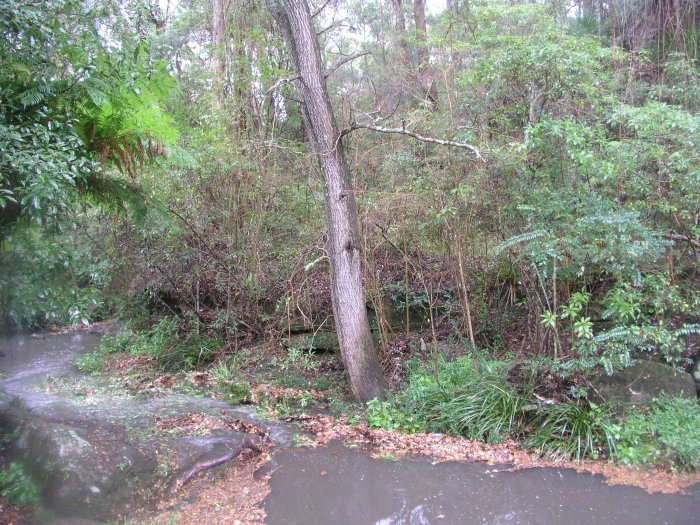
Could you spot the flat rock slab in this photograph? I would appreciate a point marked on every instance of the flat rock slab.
(95, 457)
(643, 382)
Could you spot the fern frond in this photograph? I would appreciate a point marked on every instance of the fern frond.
(36, 95)
(518, 239)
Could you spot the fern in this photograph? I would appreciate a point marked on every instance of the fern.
(36, 95)
(518, 239)
(688, 329)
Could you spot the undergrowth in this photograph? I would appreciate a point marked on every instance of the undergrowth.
(17, 487)
(163, 342)
(472, 397)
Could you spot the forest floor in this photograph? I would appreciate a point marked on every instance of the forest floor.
(311, 394)
(320, 404)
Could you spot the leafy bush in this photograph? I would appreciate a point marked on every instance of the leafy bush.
(386, 416)
(668, 431)
(17, 487)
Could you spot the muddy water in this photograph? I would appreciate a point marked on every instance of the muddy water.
(92, 448)
(339, 486)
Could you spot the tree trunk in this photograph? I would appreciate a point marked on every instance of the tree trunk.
(218, 42)
(400, 32)
(425, 72)
(343, 246)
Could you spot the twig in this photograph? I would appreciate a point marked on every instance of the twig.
(201, 239)
(318, 11)
(686, 238)
(280, 82)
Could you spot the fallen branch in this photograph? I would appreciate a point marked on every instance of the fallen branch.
(417, 136)
(204, 465)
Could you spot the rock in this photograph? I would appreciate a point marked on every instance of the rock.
(643, 382)
(320, 342)
(83, 470)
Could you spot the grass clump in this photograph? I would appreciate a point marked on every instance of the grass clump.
(577, 430)
(93, 362)
(469, 396)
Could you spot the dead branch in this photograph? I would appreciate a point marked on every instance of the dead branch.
(280, 82)
(686, 238)
(417, 136)
(344, 61)
(204, 465)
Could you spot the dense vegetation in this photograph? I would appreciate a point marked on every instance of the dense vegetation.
(156, 168)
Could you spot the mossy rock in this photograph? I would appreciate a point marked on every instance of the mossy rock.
(319, 342)
(643, 382)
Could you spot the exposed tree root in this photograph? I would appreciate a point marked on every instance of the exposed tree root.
(198, 467)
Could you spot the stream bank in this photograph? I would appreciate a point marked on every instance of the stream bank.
(99, 454)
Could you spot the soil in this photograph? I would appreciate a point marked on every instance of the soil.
(232, 496)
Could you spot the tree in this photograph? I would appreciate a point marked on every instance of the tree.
(343, 245)
(218, 40)
(425, 72)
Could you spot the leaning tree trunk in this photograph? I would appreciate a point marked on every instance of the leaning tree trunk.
(349, 310)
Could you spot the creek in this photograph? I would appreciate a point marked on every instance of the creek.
(84, 453)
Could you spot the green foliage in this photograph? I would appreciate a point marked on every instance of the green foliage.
(92, 362)
(71, 99)
(47, 278)
(163, 342)
(666, 432)
(460, 398)
(17, 487)
(571, 430)
(384, 415)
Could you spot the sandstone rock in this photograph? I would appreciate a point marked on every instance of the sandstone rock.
(643, 382)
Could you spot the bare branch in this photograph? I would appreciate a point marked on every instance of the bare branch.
(344, 61)
(417, 136)
(281, 82)
(686, 238)
(318, 11)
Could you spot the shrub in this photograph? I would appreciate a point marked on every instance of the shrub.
(17, 487)
(668, 431)
(383, 414)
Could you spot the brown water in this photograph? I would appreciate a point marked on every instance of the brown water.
(339, 486)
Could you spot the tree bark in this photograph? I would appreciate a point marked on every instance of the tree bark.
(425, 71)
(343, 246)
(218, 42)
(400, 31)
